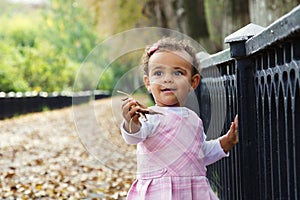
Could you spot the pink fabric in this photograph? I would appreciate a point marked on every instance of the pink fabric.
(169, 163)
(175, 188)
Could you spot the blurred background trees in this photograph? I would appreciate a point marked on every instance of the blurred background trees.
(43, 45)
(41, 48)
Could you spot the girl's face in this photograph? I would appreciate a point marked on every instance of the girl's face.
(170, 78)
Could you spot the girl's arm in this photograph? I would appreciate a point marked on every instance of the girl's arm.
(147, 127)
(214, 150)
(231, 138)
(132, 138)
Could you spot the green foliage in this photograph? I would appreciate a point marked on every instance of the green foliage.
(117, 69)
(45, 69)
(10, 77)
(11, 59)
(71, 29)
(87, 77)
(130, 12)
(42, 50)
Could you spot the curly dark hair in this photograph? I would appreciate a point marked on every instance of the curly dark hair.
(170, 44)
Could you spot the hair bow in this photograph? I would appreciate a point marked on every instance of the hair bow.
(152, 49)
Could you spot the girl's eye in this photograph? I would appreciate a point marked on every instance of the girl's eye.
(178, 73)
(158, 73)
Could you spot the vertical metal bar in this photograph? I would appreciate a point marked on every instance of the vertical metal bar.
(247, 120)
(287, 138)
(279, 61)
(296, 117)
(259, 111)
(265, 140)
(297, 137)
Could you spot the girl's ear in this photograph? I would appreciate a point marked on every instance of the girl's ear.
(195, 81)
(147, 82)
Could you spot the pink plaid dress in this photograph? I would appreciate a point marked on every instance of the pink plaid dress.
(172, 155)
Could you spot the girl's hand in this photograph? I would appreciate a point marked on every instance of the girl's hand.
(132, 110)
(130, 114)
(231, 138)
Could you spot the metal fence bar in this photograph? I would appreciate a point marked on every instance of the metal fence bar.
(219, 73)
(246, 105)
(277, 107)
(261, 77)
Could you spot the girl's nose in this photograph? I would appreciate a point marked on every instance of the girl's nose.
(168, 78)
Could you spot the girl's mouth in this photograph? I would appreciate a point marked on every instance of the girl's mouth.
(167, 90)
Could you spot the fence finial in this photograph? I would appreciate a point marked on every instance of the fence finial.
(244, 33)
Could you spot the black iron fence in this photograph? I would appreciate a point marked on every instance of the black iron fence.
(12, 104)
(260, 75)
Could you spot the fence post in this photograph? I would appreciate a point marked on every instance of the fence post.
(246, 109)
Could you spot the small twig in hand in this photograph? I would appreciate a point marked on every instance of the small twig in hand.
(128, 95)
(142, 111)
(121, 92)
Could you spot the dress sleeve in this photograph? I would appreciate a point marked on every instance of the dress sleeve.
(212, 151)
(147, 127)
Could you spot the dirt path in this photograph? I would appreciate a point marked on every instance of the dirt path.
(43, 157)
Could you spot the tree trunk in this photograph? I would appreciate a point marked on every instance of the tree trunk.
(236, 16)
(196, 20)
(264, 12)
(214, 15)
(161, 13)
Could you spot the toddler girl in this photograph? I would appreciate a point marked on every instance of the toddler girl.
(172, 151)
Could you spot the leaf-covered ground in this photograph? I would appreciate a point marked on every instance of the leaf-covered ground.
(42, 157)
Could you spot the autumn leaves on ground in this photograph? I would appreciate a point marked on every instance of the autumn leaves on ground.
(43, 157)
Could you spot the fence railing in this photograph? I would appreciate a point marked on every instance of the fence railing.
(260, 74)
(12, 104)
